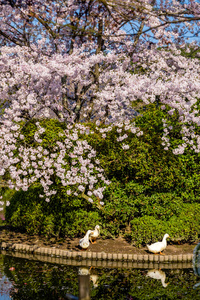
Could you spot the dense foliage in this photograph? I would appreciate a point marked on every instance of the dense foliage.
(152, 191)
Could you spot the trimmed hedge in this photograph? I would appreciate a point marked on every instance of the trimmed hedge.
(181, 228)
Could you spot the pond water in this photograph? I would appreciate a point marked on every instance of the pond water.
(26, 279)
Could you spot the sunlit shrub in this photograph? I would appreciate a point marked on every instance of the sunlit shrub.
(183, 227)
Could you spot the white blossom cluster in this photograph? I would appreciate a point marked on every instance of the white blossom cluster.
(90, 69)
(121, 127)
(72, 160)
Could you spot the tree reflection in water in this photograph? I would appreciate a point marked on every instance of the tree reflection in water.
(40, 280)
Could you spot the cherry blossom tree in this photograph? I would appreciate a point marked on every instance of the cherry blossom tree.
(83, 61)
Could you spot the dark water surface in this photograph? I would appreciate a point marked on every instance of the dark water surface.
(31, 279)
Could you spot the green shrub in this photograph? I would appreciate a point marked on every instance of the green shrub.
(61, 217)
(160, 205)
(184, 227)
(145, 230)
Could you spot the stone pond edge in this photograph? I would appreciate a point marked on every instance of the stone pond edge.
(46, 251)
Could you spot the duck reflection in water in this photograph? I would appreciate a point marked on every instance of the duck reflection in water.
(87, 271)
(158, 274)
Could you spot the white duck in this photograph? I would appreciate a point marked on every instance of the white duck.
(84, 243)
(159, 246)
(94, 234)
(158, 274)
